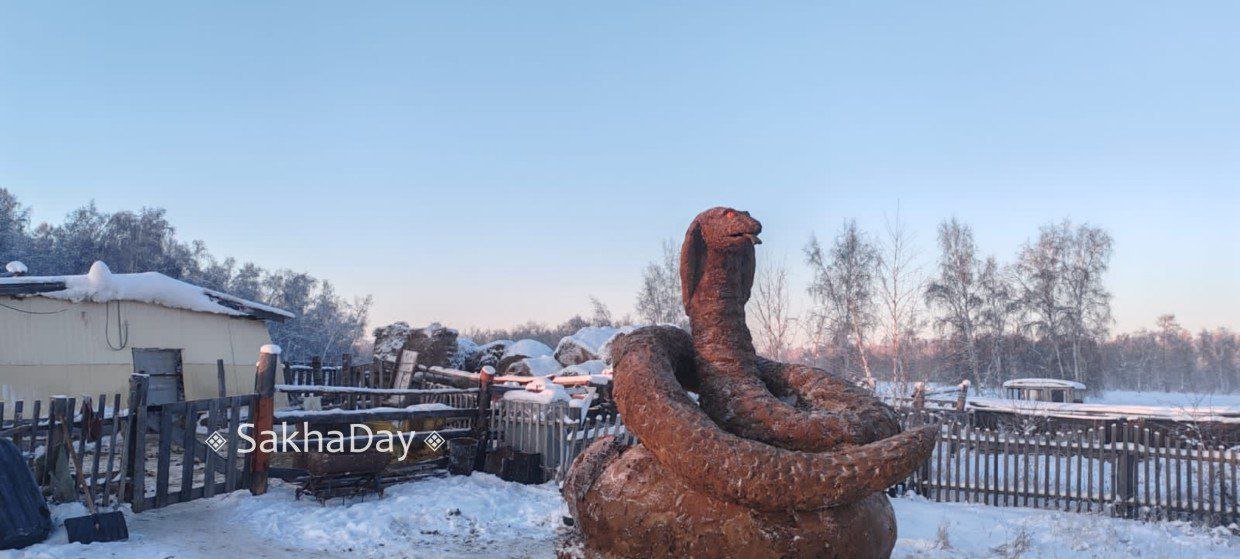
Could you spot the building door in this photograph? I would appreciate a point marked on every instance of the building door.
(164, 366)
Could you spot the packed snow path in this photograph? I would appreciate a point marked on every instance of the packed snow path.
(481, 516)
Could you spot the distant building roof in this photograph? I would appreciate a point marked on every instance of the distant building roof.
(100, 285)
(1043, 383)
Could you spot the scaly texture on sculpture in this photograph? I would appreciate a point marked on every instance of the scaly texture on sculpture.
(774, 460)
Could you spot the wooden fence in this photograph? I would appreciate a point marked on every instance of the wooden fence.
(94, 430)
(557, 431)
(175, 460)
(360, 398)
(1126, 470)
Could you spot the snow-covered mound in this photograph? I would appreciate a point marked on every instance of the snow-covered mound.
(390, 339)
(527, 348)
(589, 368)
(584, 345)
(520, 350)
(465, 348)
(535, 366)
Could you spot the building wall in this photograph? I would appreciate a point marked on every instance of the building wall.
(68, 352)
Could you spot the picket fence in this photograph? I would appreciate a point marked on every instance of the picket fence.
(95, 430)
(1125, 470)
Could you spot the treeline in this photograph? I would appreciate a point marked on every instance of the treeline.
(600, 315)
(145, 241)
(876, 310)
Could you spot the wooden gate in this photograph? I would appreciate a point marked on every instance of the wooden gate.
(188, 450)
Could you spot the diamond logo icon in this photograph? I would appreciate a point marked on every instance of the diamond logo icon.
(218, 442)
(434, 440)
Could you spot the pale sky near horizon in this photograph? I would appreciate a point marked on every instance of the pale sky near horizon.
(487, 164)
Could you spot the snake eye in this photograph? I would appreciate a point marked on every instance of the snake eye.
(731, 214)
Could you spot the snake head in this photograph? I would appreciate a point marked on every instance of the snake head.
(718, 230)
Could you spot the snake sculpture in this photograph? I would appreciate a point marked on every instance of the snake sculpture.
(772, 460)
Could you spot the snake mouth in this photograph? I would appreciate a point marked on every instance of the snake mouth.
(751, 237)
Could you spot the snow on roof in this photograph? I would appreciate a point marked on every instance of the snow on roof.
(528, 348)
(100, 285)
(1042, 383)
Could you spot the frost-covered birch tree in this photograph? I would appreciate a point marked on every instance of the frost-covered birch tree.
(658, 299)
(955, 293)
(842, 295)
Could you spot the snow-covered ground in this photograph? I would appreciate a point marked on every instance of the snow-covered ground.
(1187, 400)
(481, 516)
(1171, 399)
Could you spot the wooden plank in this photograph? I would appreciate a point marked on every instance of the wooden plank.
(1232, 459)
(230, 461)
(964, 446)
(251, 404)
(136, 473)
(94, 467)
(17, 423)
(34, 425)
(189, 440)
(116, 426)
(1235, 485)
(163, 460)
(1058, 495)
(1179, 473)
(213, 416)
(220, 380)
(1075, 488)
(1161, 474)
(1217, 497)
(1024, 454)
(1145, 470)
(81, 434)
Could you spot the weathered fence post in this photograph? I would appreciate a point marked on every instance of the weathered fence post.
(219, 371)
(482, 426)
(346, 370)
(135, 470)
(264, 415)
(316, 371)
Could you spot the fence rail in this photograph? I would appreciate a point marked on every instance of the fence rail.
(1126, 470)
(90, 426)
(359, 398)
(557, 431)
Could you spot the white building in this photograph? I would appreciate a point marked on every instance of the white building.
(84, 335)
(1044, 390)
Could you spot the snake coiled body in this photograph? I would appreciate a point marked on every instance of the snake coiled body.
(774, 460)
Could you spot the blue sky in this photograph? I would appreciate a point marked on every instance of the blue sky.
(487, 163)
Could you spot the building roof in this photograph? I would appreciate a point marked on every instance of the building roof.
(100, 285)
(1042, 383)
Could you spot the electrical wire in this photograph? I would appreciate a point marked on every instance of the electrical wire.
(34, 312)
(122, 331)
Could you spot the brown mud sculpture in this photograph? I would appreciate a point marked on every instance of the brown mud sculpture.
(774, 460)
